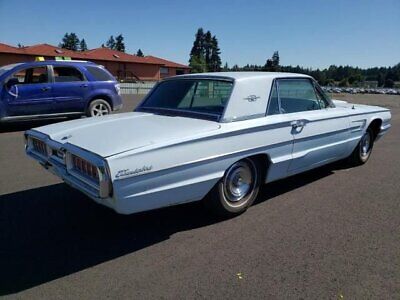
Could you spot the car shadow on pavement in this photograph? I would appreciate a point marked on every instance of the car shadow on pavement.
(25, 125)
(53, 231)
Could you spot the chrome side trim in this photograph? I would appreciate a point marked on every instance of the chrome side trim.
(30, 117)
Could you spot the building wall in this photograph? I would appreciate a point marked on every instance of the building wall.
(147, 72)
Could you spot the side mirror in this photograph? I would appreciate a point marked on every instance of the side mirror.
(11, 82)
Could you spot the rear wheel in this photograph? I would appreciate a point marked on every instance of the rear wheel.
(98, 107)
(237, 190)
(363, 150)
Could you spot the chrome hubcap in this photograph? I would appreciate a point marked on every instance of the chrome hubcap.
(99, 110)
(365, 144)
(239, 182)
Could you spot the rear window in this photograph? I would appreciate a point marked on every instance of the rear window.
(99, 74)
(67, 74)
(194, 96)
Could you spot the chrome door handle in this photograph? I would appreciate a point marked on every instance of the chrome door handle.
(297, 124)
(46, 88)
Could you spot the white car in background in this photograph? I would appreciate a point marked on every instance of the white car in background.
(215, 136)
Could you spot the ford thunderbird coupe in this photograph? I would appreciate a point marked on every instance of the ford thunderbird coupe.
(214, 137)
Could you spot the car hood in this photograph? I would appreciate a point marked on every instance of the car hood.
(113, 134)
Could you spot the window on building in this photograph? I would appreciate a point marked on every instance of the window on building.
(32, 75)
(164, 71)
(99, 74)
(179, 72)
(67, 74)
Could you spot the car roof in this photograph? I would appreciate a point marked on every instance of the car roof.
(242, 75)
(56, 62)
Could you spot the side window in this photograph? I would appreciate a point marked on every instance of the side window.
(67, 74)
(297, 95)
(32, 75)
(323, 103)
(99, 74)
(273, 105)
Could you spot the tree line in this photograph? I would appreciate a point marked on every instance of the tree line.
(205, 57)
(71, 41)
(343, 76)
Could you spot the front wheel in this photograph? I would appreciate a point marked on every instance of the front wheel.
(363, 150)
(98, 107)
(237, 190)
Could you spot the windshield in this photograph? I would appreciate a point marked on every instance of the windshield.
(6, 68)
(202, 98)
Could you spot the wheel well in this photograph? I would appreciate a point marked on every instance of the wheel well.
(375, 126)
(103, 97)
(263, 161)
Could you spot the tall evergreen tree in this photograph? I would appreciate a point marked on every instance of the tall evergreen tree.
(275, 60)
(111, 43)
(139, 53)
(207, 49)
(198, 44)
(82, 45)
(119, 43)
(215, 59)
(70, 41)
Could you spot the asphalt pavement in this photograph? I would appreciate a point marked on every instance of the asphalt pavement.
(332, 233)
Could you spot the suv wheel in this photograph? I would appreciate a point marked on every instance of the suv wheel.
(98, 107)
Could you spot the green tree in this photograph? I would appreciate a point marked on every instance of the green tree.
(139, 53)
(197, 60)
(82, 45)
(70, 41)
(226, 67)
(207, 49)
(389, 83)
(111, 43)
(198, 44)
(275, 61)
(215, 59)
(119, 43)
(198, 64)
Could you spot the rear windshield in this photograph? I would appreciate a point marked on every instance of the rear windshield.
(100, 74)
(203, 98)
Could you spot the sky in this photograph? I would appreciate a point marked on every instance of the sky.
(309, 33)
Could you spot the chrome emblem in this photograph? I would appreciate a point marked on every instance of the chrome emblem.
(252, 98)
(128, 172)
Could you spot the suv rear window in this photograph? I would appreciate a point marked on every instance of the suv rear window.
(99, 74)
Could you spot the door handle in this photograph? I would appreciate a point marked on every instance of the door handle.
(297, 124)
(84, 85)
(46, 88)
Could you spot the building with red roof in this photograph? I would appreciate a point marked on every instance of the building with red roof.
(124, 66)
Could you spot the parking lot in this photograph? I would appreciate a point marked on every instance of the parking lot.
(331, 233)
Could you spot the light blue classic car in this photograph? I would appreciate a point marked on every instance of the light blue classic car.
(214, 137)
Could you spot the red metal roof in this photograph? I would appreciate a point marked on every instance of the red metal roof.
(167, 63)
(4, 48)
(104, 54)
